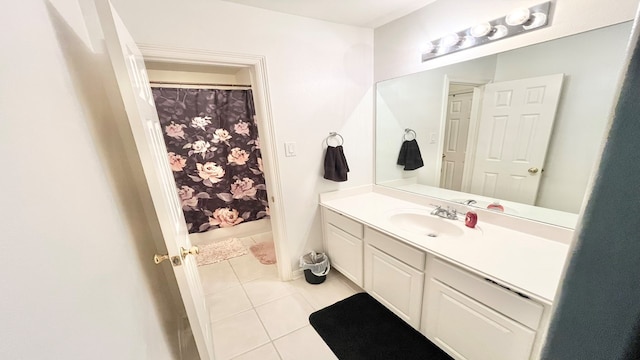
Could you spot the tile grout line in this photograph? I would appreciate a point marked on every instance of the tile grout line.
(253, 348)
(242, 312)
(253, 307)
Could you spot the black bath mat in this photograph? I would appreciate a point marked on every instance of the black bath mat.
(360, 328)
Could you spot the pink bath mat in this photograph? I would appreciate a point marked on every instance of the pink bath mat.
(265, 252)
(220, 251)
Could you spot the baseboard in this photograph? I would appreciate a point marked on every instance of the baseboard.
(296, 274)
(240, 230)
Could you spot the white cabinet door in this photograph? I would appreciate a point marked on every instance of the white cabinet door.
(345, 253)
(468, 330)
(395, 284)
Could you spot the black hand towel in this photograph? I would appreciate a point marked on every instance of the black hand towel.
(410, 155)
(335, 164)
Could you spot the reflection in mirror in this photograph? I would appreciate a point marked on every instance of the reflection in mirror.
(523, 127)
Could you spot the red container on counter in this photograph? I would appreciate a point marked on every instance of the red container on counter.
(471, 219)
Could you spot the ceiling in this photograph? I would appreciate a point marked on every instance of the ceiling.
(365, 13)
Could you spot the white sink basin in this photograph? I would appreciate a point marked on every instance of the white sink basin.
(425, 224)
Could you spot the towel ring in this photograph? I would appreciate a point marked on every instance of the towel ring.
(409, 132)
(334, 134)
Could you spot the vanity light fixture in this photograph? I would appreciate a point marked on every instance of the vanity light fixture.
(517, 22)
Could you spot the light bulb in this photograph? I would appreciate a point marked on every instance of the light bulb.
(500, 31)
(450, 40)
(518, 17)
(467, 41)
(480, 30)
(428, 48)
(539, 19)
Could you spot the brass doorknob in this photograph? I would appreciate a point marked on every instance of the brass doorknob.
(533, 170)
(192, 251)
(160, 258)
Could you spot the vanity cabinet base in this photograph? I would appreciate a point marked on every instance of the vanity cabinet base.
(465, 313)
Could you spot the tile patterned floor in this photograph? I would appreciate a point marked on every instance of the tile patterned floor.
(254, 315)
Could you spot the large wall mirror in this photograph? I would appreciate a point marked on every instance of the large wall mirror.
(522, 127)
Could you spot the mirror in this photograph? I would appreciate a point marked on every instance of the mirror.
(470, 144)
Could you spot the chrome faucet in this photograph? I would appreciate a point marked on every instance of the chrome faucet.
(447, 213)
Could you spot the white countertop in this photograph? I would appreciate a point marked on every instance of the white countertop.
(526, 263)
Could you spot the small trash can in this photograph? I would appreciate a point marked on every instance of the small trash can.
(316, 267)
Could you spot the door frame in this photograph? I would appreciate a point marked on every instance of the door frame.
(261, 96)
(472, 137)
(473, 122)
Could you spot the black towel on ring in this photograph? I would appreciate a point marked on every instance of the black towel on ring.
(335, 164)
(410, 155)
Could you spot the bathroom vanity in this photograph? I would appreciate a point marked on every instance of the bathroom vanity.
(481, 293)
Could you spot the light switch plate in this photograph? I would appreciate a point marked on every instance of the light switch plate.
(289, 149)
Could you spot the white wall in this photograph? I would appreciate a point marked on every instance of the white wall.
(320, 77)
(398, 44)
(592, 63)
(77, 277)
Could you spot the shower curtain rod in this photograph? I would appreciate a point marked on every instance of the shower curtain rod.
(157, 83)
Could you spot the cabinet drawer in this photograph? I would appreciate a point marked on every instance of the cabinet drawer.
(512, 305)
(395, 248)
(342, 222)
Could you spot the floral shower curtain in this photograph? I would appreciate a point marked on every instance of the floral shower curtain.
(214, 151)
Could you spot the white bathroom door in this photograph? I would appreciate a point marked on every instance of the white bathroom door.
(131, 75)
(455, 140)
(513, 135)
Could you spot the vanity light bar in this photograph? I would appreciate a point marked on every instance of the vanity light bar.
(517, 22)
